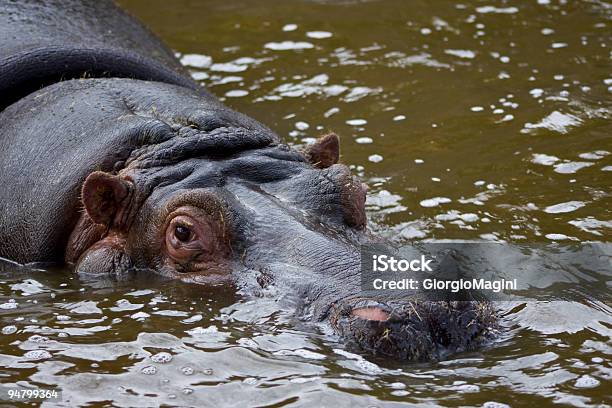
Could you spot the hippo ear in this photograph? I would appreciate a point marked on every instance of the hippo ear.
(103, 195)
(324, 152)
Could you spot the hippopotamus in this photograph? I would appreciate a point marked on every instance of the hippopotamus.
(113, 160)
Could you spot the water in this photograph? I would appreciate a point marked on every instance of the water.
(471, 120)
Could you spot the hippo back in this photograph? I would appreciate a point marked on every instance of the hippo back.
(45, 42)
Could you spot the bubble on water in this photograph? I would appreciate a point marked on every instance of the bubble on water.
(364, 140)
(11, 304)
(140, 316)
(141, 292)
(29, 287)
(571, 167)
(35, 355)
(466, 54)
(187, 391)
(249, 343)
(425, 31)
(196, 60)
(591, 225)
(568, 206)
(331, 112)
(250, 381)
(161, 358)
(187, 370)
(9, 329)
(497, 10)
(207, 371)
(199, 76)
(236, 93)
(359, 92)
(494, 404)
(547, 31)
(476, 108)
(399, 118)
(288, 45)
(586, 381)
(536, 92)
(597, 360)
(290, 27)
(38, 339)
(469, 217)
(544, 159)
(606, 168)
(556, 122)
(319, 35)
(192, 319)
(558, 45)
(202, 330)
(62, 318)
(400, 393)
(301, 353)
(434, 202)
(557, 237)
(149, 370)
(596, 155)
(467, 388)
(397, 386)
(375, 158)
(228, 67)
(301, 125)
(356, 122)
(419, 161)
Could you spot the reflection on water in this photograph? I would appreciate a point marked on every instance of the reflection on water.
(469, 120)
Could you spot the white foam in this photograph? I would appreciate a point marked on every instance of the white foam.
(544, 159)
(466, 54)
(319, 35)
(196, 60)
(566, 207)
(556, 122)
(356, 122)
(434, 202)
(498, 10)
(571, 167)
(288, 45)
(375, 158)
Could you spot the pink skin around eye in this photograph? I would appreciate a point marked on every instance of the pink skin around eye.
(202, 238)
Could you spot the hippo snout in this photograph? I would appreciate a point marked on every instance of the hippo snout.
(413, 330)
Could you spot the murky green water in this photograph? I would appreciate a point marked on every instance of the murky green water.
(471, 120)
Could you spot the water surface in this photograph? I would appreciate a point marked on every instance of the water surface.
(471, 120)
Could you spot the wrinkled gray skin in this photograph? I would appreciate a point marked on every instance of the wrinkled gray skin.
(95, 171)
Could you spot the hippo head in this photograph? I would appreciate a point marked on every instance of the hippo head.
(216, 198)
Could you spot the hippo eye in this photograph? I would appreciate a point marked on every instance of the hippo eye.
(191, 236)
(183, 233)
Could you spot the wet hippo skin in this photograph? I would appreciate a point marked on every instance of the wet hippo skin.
(113, 160)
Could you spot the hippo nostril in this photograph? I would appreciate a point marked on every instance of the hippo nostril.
(371, 313)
